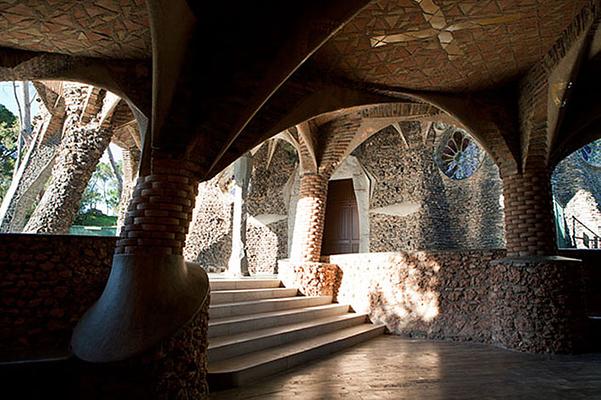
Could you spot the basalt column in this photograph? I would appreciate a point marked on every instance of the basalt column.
(537, 297)
(304, 269)
(152, 316)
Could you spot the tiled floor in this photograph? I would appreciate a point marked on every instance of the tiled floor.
(391, 367)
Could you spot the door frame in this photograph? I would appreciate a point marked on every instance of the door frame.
(351, 168)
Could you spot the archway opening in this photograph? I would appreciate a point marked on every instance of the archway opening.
(576, 183)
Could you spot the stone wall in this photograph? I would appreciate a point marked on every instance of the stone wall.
(440, 295)
(268, 204)
(209, 242)
(471, 295)
(47, 283)
(538, 304)
(414, 205)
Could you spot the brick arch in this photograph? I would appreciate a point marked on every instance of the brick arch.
(489, 121)
(490, 124)
(345, 130)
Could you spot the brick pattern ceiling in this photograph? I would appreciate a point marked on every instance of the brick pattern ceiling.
(97, 28)
(445, 44)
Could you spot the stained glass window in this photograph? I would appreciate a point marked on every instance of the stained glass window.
(591, 153)
(458, 156)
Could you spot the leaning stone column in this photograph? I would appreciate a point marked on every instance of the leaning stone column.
(131, 164)
(537, 297)
(304, 269)
(152, 316)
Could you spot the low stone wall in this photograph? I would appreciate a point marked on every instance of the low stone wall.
(47, 283)
(538, 304)
(475, 295)
(442, 295)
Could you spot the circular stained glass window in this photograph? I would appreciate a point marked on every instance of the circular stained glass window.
(591, 153)
(458, 156)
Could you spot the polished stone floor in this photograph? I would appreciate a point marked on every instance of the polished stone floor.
(392, 367)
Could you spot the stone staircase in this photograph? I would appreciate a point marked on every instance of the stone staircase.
(258, 328)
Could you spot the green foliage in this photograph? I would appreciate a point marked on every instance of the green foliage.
(9, 132)
(94, 217)
(102, 189)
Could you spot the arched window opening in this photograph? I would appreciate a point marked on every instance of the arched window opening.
(458, 155)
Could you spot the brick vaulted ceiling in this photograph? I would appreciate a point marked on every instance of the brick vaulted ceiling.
(445, 45)
(97, 28)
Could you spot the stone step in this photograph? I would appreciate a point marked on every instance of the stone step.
(248, 283)
(266, 305)
(237, 371)
(244, 323)
(240, 295)
(224, 347)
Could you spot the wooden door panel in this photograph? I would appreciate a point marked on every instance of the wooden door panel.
(341, 230)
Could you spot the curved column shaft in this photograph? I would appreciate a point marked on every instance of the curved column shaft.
(529, 223)
(309, 222)
(160, 210)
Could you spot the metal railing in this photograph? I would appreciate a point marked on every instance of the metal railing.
(592, 242)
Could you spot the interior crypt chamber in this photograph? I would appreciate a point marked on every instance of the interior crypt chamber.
(199, 212)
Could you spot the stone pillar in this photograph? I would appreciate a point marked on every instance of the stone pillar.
(537, 298)
(152, 315)
(238, 262)
(131, 163)
(309, 221)
(304, 269)
(529, 223)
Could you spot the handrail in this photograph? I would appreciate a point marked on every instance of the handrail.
(587, 228)
(596, 237)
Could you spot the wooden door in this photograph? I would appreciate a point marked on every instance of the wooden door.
(341, 228)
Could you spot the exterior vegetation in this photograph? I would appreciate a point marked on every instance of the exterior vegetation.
(9, 130)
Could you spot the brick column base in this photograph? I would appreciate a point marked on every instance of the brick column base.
(311, 278)
(538, 304)
(152, 317)
(529, 222)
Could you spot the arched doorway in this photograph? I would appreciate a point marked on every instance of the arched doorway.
(341, 228)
